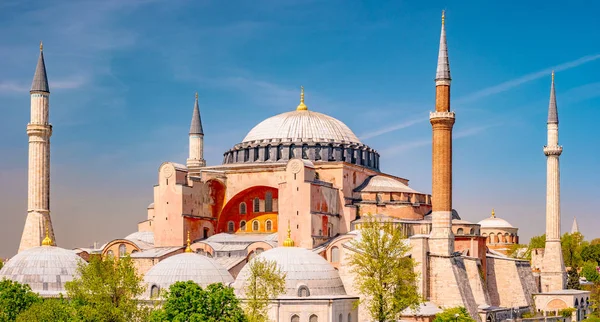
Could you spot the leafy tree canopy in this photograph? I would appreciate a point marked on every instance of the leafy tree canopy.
(572, 245)
(14, 299)
(266, 281)
(591, 252)
(573, 279)
(49, 310)
(590, 272)
(384, 274)
(106, 290)
(454, 314)
(187, 301)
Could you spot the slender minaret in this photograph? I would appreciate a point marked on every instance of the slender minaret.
(196, 159)
(575, 227)
(442, 121)
(39, 131)
(553, 275)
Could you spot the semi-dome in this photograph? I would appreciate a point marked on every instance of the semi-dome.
(145, 236)
(45, 269)
(301, 126)
(495, 222)
(305, 135)
(307, 273)
(185, 267)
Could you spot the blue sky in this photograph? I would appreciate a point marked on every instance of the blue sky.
(123, 76)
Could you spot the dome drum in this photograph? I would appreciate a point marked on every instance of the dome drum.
(278, 151)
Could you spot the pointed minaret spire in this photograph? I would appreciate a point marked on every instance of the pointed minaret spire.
(40, 80)
(575, 227)
(552, 108)
(442, 75)
(196, 140)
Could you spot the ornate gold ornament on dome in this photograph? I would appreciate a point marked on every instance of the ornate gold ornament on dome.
(41, 46)
(196, 95)
(493, 213)
(188, 249)
(47, 241)
(301, 106)
(289, 242)
(443, 16)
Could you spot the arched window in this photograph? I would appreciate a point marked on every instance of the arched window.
(122, 250)
(354, 178)
(259, 250)
(313, 318)
(335, 254)
(460, 231)
(472, 231)
(256, 205)
(341, 318)
(303, 291)
(110, 254)
(292, 151)
(304, 151)
(255, 225)
(242, 208)
(269, 225)
(295, 318)
(349, 317)
(268, 201)
(154, 291)
(318, 152)
(243, 225)
(279, 152)
(230, 226)
(268, 153)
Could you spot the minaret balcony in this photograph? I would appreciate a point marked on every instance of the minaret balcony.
(441, 115)
(553, 150)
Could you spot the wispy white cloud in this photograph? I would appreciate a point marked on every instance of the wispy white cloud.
(505, 86)
(12, 87)
(392, 128)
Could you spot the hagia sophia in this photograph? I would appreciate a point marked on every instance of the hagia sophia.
(295, 190)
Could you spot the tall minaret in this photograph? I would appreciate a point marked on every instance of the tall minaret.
(553, 276)
(441, 240)
(575, 226)
(196, 159)
(39, 131)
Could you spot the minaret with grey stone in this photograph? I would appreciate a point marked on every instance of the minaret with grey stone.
(196, 159)
(39, 131)
(575, 226)
(553, 275)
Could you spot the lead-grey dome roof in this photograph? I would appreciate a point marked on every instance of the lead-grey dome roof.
(186, 267)
(45, 269)
(303, 268)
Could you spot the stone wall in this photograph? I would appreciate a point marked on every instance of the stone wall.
(510, 282)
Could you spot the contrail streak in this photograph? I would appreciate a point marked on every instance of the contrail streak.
(392, 128)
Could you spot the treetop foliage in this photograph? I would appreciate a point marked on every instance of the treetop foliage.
(14, 299)
(266, 281)
(454, 314)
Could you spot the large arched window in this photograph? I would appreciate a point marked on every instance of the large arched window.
(255, 225)
(154, 291)
(256, 203)
(242, 208)
(268, 201)
(460, 231)
(230, 226)
(313, 318)
(122, 250)
(295, 318)
(243, 225)
(269, 225)
(335, 254)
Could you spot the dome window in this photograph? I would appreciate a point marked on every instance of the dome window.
(269, 225)
(255, 225)
(335, 254)
(242, 208)
(230, 226)
(122, 250)
(303, 291)
(243, 225)
(110, 253)
(154, 292)
(460, 231)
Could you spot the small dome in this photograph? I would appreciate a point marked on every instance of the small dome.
(186, 267)
(145, 236)
(381, 183)
(304, 269)
(301, 126)
(45, 269)
(495, 222)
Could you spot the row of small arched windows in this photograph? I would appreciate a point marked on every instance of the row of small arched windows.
(501, 238)
(255, 225)
(122, 251)
(256, 204)
(313, 318)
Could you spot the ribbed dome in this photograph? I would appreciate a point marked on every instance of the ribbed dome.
(145, 236)
(186, 267)
(45, 269)
(495, 222)
(304, 268)
(384, 184)
(302, 126)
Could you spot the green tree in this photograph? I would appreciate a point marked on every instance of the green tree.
(1, 263)
(266, 281)
(454, 314)
(573, 279)
(591, 252)
(519, 251)
(49, 310)
(590, 272)
(187, 301)
(572, 245)
(384, 274)
(106, 290)
(14, 299)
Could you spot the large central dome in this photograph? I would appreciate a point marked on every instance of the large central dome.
(302, 134)
(301, 126)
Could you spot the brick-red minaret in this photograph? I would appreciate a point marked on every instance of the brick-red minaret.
(442, 121)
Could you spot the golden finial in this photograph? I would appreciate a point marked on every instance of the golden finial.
(289, 242)
(196, 95)
(493, 213)
(301, 106)
(443, 16)
(188, 249)
(41, 46)
(553, 76)
(47, 241)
